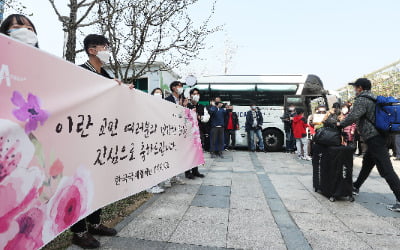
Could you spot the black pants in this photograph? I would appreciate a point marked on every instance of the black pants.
(217, 139)
(81, 226)
(378, 154)
(230, 134)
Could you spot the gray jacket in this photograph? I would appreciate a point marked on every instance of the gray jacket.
(363, 114)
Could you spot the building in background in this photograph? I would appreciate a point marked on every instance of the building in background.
(155, 77)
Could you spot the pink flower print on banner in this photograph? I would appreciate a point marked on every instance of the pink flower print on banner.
(16, 150)
(18, 191)
(56, 169)
(194, 128)
(29, 110)
(70, 202)
(30, 226)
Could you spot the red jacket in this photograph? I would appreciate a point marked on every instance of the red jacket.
(299, 126)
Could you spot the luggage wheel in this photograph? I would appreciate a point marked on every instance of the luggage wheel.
(332, 199)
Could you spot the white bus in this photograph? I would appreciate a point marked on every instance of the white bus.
(271, 93)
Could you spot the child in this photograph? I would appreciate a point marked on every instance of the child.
(299, 126)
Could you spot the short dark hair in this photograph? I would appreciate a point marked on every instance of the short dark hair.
(6, 24)
(154, 90)
(193, 90)
(174, 84)
(94, 40)
(299, 111)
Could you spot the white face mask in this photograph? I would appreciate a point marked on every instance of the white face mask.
(180, 91)
(24, 35)
(104, 56)
(345, 110)
(196, 98)
(158, 95)
(253, 107)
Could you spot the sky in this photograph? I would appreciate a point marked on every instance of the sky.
(338, 40)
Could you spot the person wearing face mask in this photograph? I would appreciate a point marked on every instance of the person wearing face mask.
(363, 114)
(20, 28)
(202, 119)
(231, 126)
(176, 97)
(254, 122)
(158, 93)
(287, 122)
(348, 131)
(332, 117)
(217, 133)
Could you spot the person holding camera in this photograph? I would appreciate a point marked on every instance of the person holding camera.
(217, 134)
(254, 122)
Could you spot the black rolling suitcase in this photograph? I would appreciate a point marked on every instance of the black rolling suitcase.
(318, 151)
(334, 166)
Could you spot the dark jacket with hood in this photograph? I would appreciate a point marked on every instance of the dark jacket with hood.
(250, 120)
(363, 114)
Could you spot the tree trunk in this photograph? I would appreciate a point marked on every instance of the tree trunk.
(70, 52)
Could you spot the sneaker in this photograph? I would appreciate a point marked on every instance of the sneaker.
(356, 191)
(100, 229)
(85, 240)
(156, 190)
(189, 175)
(307, 158)
(178, 180)
(167, 183)
(300, 157)
(395, 207)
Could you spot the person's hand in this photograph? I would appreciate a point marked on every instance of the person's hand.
(194, 109)
(185, 102)
(131, 86)
(220, 105)
(118, 81)
(338, 124)
(291, 118)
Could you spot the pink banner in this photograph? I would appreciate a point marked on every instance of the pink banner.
(72, 141)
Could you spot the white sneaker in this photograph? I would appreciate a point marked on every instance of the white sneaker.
(300, 157)
(307, 158)
(167, 183)
(156, 190)
(178, 180)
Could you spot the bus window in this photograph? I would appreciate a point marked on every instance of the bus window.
(237, 94)
(272, 94)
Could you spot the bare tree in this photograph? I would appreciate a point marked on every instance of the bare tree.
(151, 30)
(79, 13)
(13, 6)
(229, 51)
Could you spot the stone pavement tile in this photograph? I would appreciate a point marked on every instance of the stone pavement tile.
(250, 237)
(334, 240)
(217, 182)
(305, 206)
(211, 201)
(123, 243)
(174, 199)
(175, 246)
(161, 210)
(251, 203)
(214, 190)
(381, 241)
(219, 175)
(196, 181)
(207, 215)
(371, 224)
(254, 218)
(377, 203)
(198, 233)
(187, 189)
(319, 222)
(393, 221)
(247, 192)
(150, 229)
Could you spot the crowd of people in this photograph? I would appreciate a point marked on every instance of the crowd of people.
(218, 124)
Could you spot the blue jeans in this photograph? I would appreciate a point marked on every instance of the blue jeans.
(252, 145)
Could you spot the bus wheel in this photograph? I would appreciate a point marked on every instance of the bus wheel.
(273, 139)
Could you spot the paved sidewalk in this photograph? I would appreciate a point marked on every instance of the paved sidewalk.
(260, 201)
